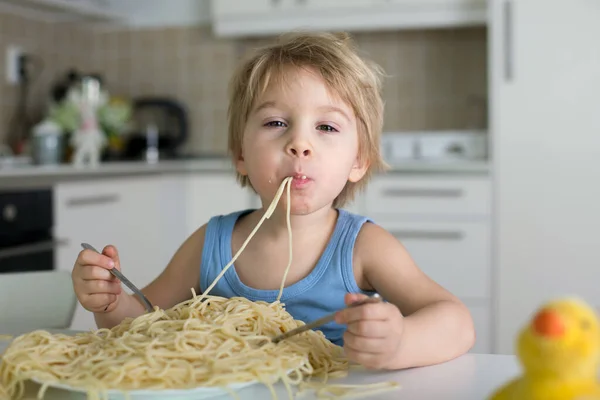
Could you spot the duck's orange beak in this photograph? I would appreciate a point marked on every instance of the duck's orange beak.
(549, 324)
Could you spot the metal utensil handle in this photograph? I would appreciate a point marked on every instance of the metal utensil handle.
(323, 320)
(131, 286)
(115, 272)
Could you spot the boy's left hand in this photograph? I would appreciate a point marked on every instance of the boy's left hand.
(374, 332)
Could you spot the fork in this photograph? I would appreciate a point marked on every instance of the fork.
(375, 298)
(123, 279)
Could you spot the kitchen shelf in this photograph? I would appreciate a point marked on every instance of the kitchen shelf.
(73, 10)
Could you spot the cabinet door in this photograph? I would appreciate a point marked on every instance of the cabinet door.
(264, 7)
(433, 3)
(173, 224)
(482, 320)
(545, 122)
(335, 5)
(432, 197)
(122, 212)
(84, 212)
(242, 7)
(454, 254)
(273, 17)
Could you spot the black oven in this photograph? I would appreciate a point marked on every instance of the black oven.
(26, 234)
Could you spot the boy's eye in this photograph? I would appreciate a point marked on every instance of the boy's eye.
(277, 124)
(326, 128)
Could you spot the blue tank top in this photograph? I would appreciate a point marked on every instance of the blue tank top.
(320, 293)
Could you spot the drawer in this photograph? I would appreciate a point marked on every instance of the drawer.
(85, 199)
(124, 212)
(455, 255)
(482, 319)
(430, 196)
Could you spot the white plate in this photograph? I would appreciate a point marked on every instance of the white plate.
(171, 394)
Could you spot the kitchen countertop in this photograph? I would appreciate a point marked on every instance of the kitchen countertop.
(46, 176)
(470, 377)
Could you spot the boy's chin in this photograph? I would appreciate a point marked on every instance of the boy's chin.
(306, 208)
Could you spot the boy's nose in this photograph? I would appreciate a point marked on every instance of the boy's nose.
(299, 146)
(299, 151)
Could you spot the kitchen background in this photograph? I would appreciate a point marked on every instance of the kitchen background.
(499, 204)
(437, 78)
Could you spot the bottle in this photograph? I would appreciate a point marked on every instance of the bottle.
(152, 144)
(47, 143)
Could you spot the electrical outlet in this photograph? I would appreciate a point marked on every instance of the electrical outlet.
(13, 54)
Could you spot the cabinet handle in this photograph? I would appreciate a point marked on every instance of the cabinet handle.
(428, 235)
(28, 249)
(92, 200)
(417, 192)
(508, 41)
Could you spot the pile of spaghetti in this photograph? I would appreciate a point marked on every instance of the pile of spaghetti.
(203, 342)
(207, 341)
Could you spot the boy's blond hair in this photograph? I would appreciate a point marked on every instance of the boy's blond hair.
(356, 81)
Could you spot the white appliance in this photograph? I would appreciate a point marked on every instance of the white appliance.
(398, 147)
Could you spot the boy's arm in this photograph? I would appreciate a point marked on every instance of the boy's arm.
(436, 326)
(170, 288)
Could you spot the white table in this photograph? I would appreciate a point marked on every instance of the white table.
(470, 377)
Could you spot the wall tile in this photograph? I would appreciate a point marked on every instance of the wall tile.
(436, 79)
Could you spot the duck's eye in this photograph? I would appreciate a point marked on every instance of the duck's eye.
(585, 324)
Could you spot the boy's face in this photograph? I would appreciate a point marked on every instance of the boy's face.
(298, 128)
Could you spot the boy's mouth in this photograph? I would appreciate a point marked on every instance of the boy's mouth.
(300, 181)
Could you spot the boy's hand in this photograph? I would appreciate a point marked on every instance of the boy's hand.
(96, 288)
(374, 332)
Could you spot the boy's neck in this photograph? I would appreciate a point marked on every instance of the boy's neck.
(301, 224)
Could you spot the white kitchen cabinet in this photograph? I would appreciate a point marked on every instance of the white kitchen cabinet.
(117, 13)
(172, 212)
(444, 221)
(454, 254)
(122, 212)
(62, 10)
(265, 8)
(270, 17)
(545, 125)
(233, 7)
(429, 197)
(161, 13)
(482, 320)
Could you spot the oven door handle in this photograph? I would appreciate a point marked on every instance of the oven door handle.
(33, 248)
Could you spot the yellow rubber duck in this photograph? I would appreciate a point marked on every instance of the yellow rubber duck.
(559, 351)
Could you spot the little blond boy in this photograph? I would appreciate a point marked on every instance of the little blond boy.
(307, 107)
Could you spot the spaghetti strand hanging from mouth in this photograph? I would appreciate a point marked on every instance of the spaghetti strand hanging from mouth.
(268, 213)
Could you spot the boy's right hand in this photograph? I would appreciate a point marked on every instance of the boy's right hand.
(96, 288)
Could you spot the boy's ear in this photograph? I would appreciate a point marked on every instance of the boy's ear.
(359, 169)
(240, 164)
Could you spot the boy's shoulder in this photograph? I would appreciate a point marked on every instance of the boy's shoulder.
(359, 218)
(231, 216)
(219, 224)
(367, 229)
(372, 238)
